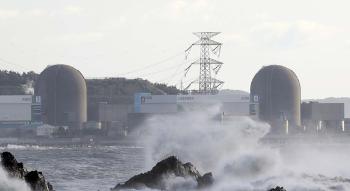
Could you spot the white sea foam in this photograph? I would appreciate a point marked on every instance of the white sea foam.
(11, 184)
(231, 150)
(26, 147)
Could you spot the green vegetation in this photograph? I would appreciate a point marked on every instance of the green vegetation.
(14, 83)
(121, 90)
(115, 90)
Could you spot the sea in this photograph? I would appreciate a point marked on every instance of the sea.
(80, 168)
(232, 151)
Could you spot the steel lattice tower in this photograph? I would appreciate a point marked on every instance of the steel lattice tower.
(207, 83)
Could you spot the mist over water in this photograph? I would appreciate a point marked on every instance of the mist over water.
(232, 151)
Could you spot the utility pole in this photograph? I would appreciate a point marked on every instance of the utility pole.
(207, 84)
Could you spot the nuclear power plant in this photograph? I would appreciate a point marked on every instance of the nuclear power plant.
(277, 90)
(60, 101)
(63, 94)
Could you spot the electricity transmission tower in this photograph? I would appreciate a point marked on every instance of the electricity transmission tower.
(207, 83)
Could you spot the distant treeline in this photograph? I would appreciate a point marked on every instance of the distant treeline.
(108, 89)
(14, 83)
(121, 90)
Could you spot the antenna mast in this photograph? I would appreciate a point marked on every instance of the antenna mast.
(207, 83)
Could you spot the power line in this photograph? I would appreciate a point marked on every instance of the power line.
(167, 80)
(160, 71)
(144, 68)
(151, 65)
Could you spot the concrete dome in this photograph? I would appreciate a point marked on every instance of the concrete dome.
(278, 90)
(63, 96)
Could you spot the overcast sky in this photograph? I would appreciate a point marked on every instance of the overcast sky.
(147, 38)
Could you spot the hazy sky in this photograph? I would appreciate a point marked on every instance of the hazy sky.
(122, 37)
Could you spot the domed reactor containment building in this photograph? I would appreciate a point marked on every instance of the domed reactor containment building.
(277, 89)
(63, 94)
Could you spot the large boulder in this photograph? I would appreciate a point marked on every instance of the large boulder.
(34, 179)
(278, 188)
(168, 168)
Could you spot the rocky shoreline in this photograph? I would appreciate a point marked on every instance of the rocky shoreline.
(168, 170)
(35, 179)
(163, 170)
(171, 168)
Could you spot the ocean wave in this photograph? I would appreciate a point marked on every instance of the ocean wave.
(11, 184)
(26, 147)
(233, 153)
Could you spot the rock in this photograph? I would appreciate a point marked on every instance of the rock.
(12, 167)
(166, 169)
(278, 188)
(206, 180)
(34, 179)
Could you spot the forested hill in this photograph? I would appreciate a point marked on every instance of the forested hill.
(121, 90)
(12, 83)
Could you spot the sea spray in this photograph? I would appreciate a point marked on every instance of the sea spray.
(11, 184)
(232, 151)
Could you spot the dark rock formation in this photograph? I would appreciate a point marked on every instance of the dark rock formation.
(278, 188)
(205, 180)
(10, 164)
(163, 170)
(34, 179)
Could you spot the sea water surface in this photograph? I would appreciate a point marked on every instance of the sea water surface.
(79, 168)
(232, 151)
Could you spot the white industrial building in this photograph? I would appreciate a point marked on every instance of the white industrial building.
(45, 130)
(229, 104)
(14, 108)
(19, 111)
